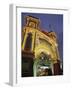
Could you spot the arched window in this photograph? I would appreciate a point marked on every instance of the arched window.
(28, 43)
(23, 35)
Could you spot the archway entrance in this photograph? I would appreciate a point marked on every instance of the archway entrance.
(43, 65)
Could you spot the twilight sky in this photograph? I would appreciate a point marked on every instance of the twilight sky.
(49, 22)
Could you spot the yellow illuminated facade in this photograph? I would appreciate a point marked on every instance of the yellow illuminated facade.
(40, 49)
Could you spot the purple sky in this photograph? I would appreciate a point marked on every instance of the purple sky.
(49, 22)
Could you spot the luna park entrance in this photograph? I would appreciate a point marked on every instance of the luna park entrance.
(43, 65)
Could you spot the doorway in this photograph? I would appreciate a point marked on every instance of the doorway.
(27, 67)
